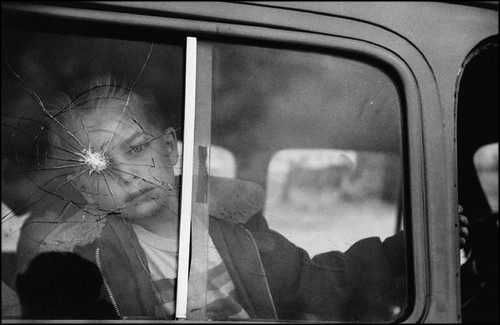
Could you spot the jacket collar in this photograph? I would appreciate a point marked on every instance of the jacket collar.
(234, 200)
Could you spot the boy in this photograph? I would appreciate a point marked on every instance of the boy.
(129, 229)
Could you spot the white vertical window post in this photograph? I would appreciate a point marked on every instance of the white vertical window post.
(187, 181)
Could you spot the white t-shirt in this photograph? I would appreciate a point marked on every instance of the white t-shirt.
(161, 254)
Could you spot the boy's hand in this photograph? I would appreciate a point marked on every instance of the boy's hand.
(463, 223)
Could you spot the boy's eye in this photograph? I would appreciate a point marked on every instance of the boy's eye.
(137, 149)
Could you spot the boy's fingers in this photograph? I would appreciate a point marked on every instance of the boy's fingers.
(464, 222)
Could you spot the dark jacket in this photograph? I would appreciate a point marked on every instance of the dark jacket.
(274, 279)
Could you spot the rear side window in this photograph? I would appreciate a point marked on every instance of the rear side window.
(319, 135)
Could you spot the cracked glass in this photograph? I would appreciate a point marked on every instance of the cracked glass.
(91, 131)
(302, 149)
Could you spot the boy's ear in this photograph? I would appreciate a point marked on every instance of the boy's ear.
(170, 141)
(79, 188)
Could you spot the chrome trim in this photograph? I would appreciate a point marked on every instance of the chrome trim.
(187, 181)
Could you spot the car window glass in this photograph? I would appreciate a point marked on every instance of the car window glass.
(346, 196)
(89, 132)
(317, 141)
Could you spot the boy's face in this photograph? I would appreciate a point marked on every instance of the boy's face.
(127, 165)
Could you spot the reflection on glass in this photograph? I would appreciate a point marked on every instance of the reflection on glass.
(346, 195)
(222, 162)
(486, 162)
(316, 139)
(89, 159)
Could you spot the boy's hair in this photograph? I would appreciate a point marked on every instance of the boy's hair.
(95, 95)
(66, 110)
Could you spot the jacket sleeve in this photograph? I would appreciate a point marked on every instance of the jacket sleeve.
(375, 278)
(365, 283)
(391, 251)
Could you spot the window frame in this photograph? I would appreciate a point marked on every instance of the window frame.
(429, 189)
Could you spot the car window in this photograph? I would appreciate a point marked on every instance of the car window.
(89, 132)
(317, 140)
(303, 195)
